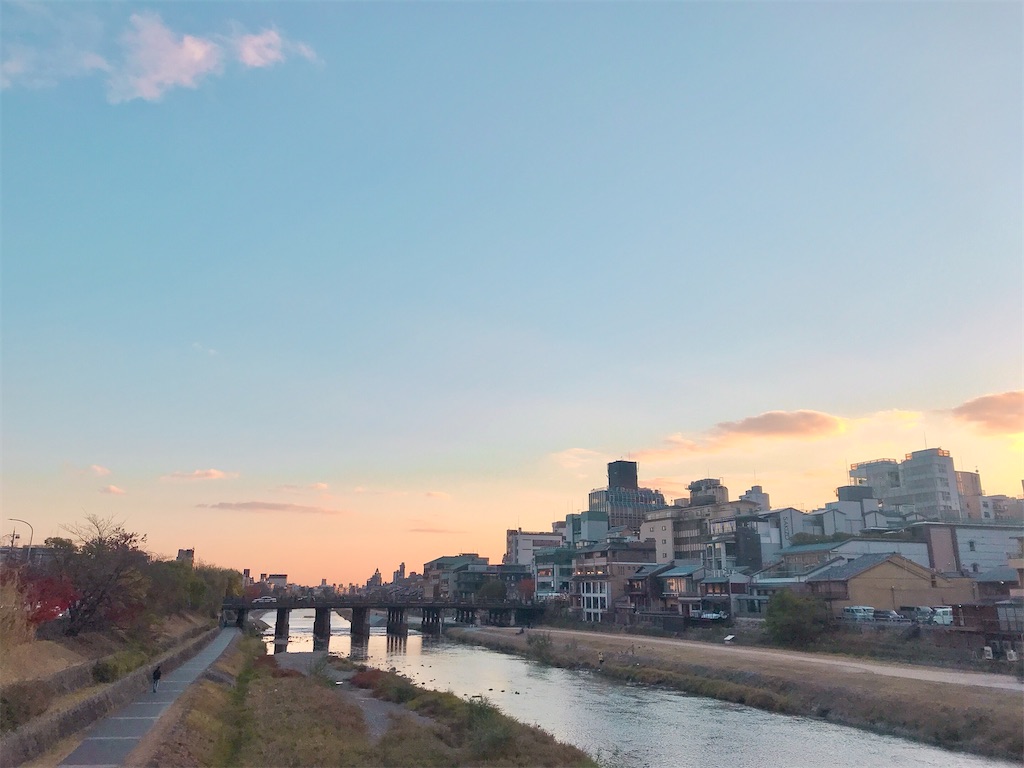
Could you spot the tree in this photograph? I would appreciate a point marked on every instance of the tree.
(526, 589)
(106, 570)
(492, 589)
(794, 620)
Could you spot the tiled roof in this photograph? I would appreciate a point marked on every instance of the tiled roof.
(852, 568)
(682, 570)
(1002, 573)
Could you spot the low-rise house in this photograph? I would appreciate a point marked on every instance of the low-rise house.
(680, 588)
(885, 581)
(438, 573)
(643, 589)
(601, 573)
(552, 572)
(997, 584)
(722, 593)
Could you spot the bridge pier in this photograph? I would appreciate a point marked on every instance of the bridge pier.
(322, 629)
(498, 617)
(360, 622)
(465, 615)
(432, 621)
(397, 643)
(281, 630)
(240, 617)
(397, 624)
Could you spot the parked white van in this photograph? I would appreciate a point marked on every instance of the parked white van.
(942, 614)
(859, 613)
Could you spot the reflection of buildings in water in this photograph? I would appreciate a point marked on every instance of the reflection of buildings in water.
(360, 650)
(397, 643)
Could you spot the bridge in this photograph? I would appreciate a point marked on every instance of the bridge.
(432, 612)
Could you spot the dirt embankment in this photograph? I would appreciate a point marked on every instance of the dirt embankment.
(960, 711)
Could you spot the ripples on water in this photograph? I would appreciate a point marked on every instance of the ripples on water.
(626, 726)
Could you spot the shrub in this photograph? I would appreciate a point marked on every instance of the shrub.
(794, 620)
(114, 667)
(21, 702)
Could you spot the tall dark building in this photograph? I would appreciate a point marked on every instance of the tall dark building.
(623, 500)
(622, 474)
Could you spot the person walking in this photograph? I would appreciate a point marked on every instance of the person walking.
(156, 678)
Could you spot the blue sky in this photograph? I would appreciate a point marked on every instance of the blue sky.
(330, 271)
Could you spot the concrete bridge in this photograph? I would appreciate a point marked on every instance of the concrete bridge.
(432, 613)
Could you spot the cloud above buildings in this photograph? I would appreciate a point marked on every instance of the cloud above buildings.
(113, 490)
(201, 474)
(1001, 414)
(441, 495)
(99, 471)
(145, 61)
(270, 506)
(771, 425)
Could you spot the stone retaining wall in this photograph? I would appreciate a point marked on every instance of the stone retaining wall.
(35, 737)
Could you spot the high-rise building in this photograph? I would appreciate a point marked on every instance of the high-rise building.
(924, 481)
(623, 500)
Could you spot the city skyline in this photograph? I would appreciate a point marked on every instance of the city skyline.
(361, 284)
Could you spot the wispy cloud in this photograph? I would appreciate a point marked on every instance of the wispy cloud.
(145, 61)
(99, 471)
(201, 474)
(157, 59)
(294, 488)
(204, 350)
(994, 414)
(438, 495)
(113, 490)
(270, 506)
(575, 458)
(772, 425)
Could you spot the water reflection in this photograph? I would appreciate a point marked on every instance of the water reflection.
(621, 725)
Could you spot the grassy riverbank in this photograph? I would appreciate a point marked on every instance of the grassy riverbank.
(985, 721)
(260, 714)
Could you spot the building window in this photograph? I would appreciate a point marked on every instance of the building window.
(970, 545)
(974, 568)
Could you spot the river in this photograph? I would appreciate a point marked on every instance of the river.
(626, 726)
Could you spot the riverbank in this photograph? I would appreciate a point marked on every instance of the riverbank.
(304, 709)
(959, 711)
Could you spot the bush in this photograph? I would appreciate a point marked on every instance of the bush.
(796, 621)
(21, 702)
(114, 667)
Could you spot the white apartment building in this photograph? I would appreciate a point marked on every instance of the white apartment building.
(924, 480)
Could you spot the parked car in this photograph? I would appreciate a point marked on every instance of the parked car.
(265, 599)
(882, 615)
(920, 614)
(714, 615)
(859, 613)
(942, 614)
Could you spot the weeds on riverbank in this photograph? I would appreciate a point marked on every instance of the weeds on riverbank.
(468, 732)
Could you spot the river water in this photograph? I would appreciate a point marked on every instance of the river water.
(626, 726)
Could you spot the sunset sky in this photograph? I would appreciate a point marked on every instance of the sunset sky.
(318, 288)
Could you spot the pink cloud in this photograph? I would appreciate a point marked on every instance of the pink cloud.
(996, 414)
(772, 425)
(157, 59)
(262, 50)
(201, 474)
(320, 486)
(782, 424)
(99, 471)
(270, 506)
(113, 489)
(438, 495)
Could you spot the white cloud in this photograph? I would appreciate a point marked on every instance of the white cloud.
(43, 46)
(99, 471)
(270, 506)
(262, 50)
(201, 474)
(113, 489)
(157, 59)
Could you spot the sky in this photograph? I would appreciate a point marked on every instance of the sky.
(319, 288)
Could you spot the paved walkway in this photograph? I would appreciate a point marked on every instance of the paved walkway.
(110, 740)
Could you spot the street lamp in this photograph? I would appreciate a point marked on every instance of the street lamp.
(31, 533)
